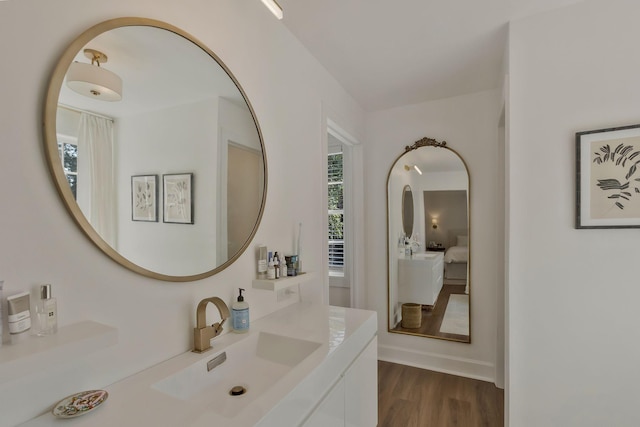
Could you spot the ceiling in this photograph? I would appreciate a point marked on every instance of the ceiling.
(387, 54)
(159, 69)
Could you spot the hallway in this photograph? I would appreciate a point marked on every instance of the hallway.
(413, 397)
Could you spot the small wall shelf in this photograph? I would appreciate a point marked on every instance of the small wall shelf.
(282, 283)
(34, 353)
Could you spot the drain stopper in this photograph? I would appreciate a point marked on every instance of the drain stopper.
(237, 390)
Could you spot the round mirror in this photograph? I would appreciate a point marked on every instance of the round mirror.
(407, 211)
(155, 149)
(429, 279)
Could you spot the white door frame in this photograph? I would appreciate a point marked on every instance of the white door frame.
(354, 189)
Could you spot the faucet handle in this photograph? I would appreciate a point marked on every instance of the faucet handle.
(217, 327)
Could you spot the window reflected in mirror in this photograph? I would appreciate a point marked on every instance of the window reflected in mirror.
(178, 111)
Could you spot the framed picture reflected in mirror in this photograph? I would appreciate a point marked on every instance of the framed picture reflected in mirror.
(178, 198)
(144, 198)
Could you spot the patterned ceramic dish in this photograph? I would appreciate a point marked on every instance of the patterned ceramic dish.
(79, 403)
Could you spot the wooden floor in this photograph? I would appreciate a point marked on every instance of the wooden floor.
(432, 316)
(413, 397)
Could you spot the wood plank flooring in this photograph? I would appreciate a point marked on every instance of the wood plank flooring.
(413, 397)
(432, 316)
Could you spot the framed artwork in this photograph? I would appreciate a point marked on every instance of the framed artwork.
(608, 178)
(144, 198)
(178, 198)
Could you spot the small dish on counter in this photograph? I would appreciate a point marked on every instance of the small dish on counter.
(79, 403)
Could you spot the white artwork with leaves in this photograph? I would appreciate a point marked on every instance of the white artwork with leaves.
(144, 194)
(178, 198)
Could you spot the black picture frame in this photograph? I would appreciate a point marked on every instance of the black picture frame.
(608, 178)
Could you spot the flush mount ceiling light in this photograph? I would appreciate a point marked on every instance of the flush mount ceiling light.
(93, 81)
(415, 167)
(274, 7)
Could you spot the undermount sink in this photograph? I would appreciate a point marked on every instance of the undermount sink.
(254, 363)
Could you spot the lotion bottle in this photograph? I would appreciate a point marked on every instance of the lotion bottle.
(240, 314)
(262, 262)
(271, 271)
(283, 266)
(19, 317)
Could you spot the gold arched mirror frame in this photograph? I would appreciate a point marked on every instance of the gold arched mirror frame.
(428, 281)
(60, 179)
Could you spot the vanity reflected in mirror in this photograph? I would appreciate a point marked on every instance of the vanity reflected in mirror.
(429, 259)
(162, 162)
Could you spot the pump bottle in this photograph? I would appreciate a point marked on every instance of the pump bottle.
(240, 314)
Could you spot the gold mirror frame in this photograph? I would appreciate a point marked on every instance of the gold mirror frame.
(427, 142)
(55, 166)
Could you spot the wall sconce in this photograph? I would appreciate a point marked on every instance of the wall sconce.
(93, 81)
(434, 223)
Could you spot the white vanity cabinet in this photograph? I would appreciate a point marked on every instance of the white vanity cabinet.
(304, 365)
(420, 278)
(361, 389)
(353, 400)
(331, 411)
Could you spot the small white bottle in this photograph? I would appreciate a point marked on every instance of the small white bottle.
(271, 271)
(47, 312)
(283, 266)
(240, 314)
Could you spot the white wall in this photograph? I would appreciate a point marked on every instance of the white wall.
(41, 244)
(153, 143)
(469, 124)
(573, 294)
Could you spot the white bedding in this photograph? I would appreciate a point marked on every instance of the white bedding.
(457, 254)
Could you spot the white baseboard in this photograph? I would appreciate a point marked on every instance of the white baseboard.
(438, 362)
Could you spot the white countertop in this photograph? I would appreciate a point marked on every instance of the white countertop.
(341, 332)
(421, 256)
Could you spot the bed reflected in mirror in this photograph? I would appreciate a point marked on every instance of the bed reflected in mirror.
(428, 261)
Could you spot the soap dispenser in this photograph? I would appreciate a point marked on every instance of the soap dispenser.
(240, 314)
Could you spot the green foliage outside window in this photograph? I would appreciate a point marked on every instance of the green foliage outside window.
(336, 191)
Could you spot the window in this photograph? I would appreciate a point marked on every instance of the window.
(336, 213)
(68, 152)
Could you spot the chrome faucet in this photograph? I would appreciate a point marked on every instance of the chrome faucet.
(202, 334)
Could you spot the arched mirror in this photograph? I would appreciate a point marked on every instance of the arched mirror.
(155, 149)
(407, 211)
(429, 275)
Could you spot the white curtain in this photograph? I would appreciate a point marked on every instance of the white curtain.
(96, 135)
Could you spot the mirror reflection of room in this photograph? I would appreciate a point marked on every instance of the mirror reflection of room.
(429, 219)
(116, 152)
